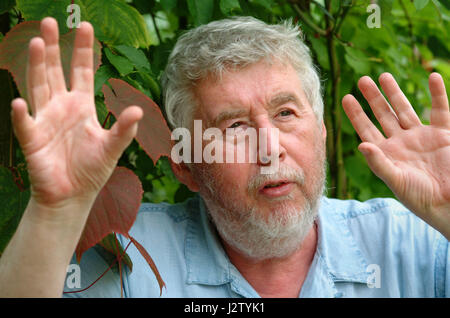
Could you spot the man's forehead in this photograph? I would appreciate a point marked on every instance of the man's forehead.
(261, 84)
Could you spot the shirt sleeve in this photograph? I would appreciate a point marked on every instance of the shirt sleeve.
(91, 268)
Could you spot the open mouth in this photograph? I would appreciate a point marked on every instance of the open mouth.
(274, 185)
(277, 188)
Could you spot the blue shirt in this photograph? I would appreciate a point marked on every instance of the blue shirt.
(375, 248)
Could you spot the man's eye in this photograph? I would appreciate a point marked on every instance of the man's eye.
(236, 124)
(286, 112)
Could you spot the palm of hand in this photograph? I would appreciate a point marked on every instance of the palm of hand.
(66, 149)
(420, 158)
(69, 154)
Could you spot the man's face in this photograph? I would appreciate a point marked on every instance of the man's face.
(237, 195)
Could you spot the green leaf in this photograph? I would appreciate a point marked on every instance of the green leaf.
(357, 170)
(115, 22)
(320, 51)
(151, 84)
(268, 4)
(183, 193)
(357, 60)
(201, 10)
(144, 6)
(102, 111)
(122, 64)
(6, 5)
(229, 7)
(104, 73)
(420, 4)
(139, 86)
(168, 4)
(14, 201)
(136, 56)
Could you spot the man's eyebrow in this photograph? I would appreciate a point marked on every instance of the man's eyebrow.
(277, 100)
(283, 98)
(229, 114)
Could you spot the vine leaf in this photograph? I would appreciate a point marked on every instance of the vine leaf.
(111, 250)
(150, 262)
(114, 210)
(116, 22)
(153, 134)
(14, 52)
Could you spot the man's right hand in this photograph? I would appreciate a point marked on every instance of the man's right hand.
(69, 155)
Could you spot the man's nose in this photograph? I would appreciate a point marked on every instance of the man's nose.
(269, 147)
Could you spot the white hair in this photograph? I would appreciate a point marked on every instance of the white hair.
(233, 43)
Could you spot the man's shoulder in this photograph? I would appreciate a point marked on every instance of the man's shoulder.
(378, 216)
(172, 212)
(384, 228)
(383, 232)
(156, 219)
(348, 209)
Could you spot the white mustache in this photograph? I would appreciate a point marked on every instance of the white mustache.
(283, 173)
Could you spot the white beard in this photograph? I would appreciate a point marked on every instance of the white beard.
(260, 239)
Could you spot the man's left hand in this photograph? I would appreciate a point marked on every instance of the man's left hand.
(412, 159)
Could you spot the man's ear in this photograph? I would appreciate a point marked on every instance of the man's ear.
(184, 175)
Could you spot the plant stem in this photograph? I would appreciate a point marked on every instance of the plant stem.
(106, 119)
(337, 162)
(156, 28)
(304, 17)
(103, 274)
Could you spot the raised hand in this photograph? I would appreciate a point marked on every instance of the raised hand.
(69, 155)
(412, 159)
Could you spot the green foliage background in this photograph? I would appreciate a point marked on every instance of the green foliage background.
(137, 37)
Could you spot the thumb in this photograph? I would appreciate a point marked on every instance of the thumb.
(123, 131)
(22, 121)
(381, 165)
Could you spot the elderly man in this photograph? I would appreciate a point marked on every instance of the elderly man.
(247, 234)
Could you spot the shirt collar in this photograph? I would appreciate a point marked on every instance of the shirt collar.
(337, 246)
(207, 262)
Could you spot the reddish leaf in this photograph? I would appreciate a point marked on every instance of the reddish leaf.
(114, 209)
(14, 52)
(150, 262)
(153, 133)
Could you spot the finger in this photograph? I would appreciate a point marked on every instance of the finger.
(82, 68)
(381, 165)
(406, 115)
(55, 74)
(123, 131)
(365, 129)
(440, 115)
(22, 122)
(37, 87)
(380, 107)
